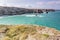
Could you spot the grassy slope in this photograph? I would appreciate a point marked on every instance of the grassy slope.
(27, 32)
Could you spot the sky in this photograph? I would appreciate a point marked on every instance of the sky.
(42, 4)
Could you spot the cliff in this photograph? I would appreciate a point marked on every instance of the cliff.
(19, 11)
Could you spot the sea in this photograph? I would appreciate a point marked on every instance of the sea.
(51, 19)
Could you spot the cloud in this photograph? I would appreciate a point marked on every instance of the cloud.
(48, 3)
(31, 3)
(54, 2)
(40, 3)
(2, 2)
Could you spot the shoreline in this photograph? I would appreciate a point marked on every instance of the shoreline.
(28, 24)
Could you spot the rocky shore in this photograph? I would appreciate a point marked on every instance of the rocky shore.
(19, 11)
(28, 32)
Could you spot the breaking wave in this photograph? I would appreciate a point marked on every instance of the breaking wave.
(30, 15)
(40, 16)
(34, 15)
(1, 17)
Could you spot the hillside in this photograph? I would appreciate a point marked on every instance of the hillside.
(28, 32)
(19, 11)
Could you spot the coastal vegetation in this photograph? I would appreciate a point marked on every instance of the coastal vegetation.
(28, 32)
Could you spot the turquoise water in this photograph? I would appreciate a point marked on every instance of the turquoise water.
(52, 19)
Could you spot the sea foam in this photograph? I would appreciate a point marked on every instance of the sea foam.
(1, 17)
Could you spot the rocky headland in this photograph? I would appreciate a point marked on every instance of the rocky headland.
(19, 11)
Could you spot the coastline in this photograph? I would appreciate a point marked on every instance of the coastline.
(20, 11)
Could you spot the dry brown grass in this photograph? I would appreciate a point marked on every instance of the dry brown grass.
(27, 32)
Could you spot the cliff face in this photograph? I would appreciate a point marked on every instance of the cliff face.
(28, 32)
(18, 11)
(15, 11)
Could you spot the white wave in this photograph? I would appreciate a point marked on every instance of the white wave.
(27, 15)
(1, 17)
(40, 16)
(33, 15)
(30, 15)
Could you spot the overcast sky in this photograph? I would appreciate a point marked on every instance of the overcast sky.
(55, 4)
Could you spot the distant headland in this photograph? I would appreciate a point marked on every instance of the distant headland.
(19, 11)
